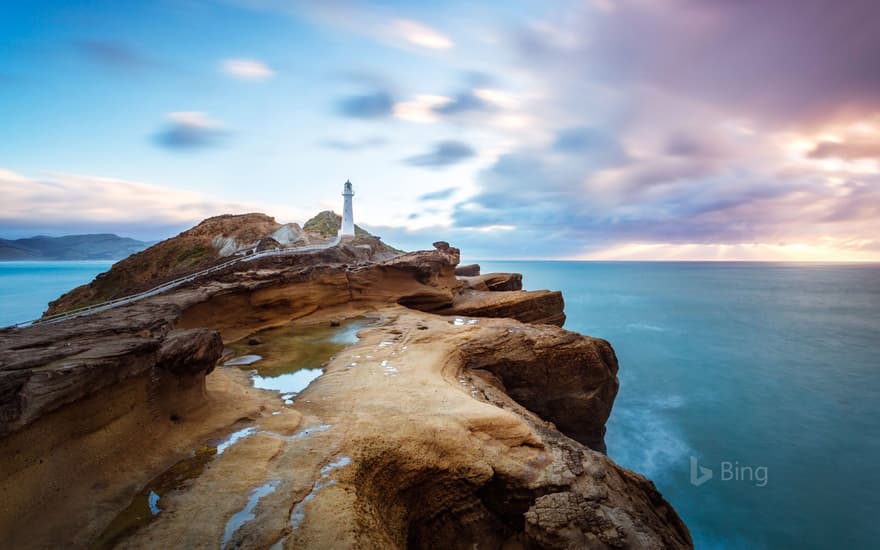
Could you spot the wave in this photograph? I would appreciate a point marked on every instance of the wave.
(645, 326)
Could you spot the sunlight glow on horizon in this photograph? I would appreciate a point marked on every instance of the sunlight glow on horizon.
(747, 252)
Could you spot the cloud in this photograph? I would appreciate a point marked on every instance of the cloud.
(773, 60)
(573, 206)
(190, 130)
(620, 154)
(247, 69)
(69, 203)
(676, 123)
(377, 104)
(439, 195)
(421, 35)
(590, 142)
(683, 144)
(421, 109)
(476, 96)
(113, 54)
(365, 19)
(444, 153)
(462, 102)
(846, 151)
(355, 145)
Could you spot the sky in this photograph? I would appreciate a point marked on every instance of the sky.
(590, 129)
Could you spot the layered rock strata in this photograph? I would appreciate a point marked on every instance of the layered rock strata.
(442, 427)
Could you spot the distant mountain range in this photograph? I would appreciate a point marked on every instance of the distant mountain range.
(103, 246)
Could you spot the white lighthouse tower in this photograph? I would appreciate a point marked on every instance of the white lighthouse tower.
(347, 229)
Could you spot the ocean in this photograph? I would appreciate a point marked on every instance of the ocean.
(26, 288)
(766, 375)
(750, 392)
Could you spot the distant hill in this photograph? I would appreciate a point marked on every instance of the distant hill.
(102, 246)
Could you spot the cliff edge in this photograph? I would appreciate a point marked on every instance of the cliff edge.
(441, 427)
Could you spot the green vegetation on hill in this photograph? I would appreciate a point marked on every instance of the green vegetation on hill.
(327, 224)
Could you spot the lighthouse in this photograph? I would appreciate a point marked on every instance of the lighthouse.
(347, 229)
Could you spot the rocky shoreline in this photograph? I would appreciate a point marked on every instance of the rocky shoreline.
(463, 416)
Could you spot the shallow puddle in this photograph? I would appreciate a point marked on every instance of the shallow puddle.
(292, 356)
(286, 359)
(147, 504)
(234, 438)
(298, 514)
(247, 513)
(242, 360)
(288, 383)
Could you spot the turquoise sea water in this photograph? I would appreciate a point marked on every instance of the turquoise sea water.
(772, 366)
(27, 287)
(751, 369)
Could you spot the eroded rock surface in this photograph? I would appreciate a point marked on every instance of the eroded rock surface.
(493, 281)
(463, 418)
(469, 270)
(562, 376)
(528, 306)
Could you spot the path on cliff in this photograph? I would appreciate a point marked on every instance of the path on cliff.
(164, 287)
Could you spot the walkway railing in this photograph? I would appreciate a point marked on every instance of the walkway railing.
(164, 287)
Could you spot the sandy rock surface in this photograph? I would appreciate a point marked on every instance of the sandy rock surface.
(464, 417)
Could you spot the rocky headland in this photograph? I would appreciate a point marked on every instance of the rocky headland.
(463, 416)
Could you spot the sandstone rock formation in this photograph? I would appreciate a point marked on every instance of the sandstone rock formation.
(538, 306)
(469, 270)
(576, 399)
(211, 242)
(443, 427)
(493, 281)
